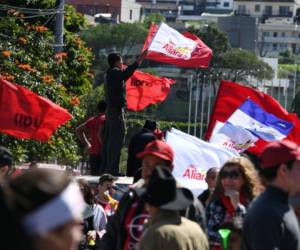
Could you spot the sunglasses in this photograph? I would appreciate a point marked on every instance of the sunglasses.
(230, 174)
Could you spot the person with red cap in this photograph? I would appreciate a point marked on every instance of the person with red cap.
(270, 222)
(124, 230)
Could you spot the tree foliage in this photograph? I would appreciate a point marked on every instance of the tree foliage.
(27, 58)
(228, 63)
(240, 64)
(287, 57)
(296, 104)
(106, 38)
(153, 18)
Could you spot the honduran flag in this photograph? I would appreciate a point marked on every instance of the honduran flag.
(233, 137)
(231, 96)
(260, 123)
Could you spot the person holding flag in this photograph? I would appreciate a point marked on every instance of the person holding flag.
(114, 87)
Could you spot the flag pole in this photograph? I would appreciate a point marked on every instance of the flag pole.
(196, 103)
(295, 80)
(202, 104)
(190, 80)
(209, 100)
(285, 90)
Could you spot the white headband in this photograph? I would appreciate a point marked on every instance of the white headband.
(60, 210)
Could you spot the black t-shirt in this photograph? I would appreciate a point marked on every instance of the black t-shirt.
(270, 223)
(115, 93)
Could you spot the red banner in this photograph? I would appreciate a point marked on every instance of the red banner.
(143, 89)
(200, 57)
(230, 97)
(24, 114)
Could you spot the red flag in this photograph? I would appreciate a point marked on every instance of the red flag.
(231, 95)
(170, 51)
(143, 89)
(25, 114)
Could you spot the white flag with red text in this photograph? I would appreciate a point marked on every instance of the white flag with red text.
(193, 157)
(167, 45)
(171, 43)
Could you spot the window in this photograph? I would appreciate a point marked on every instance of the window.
(275, 34)
(211, 4)
(257, 8)
(282, 34)
(268, 10)
(266, 33)
(284, 10)
(130, 15)
(283, 45)
(267, 45)
(274, 46)
(242, 9)
(226, 4)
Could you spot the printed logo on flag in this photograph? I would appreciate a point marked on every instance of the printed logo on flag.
(262, 124)
(239, 147)
(193, 157)
(178, 51)
(193, 173)
(232, 137)
(139, 83)
(170, 42)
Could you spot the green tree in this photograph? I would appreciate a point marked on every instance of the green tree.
(105, 38)
(287, 57)
(27, 58)
(155, 18)
(239, 64)
(228, 63)
(296, 104)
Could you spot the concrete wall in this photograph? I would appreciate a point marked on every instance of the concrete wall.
(241, 31)
(130, 11)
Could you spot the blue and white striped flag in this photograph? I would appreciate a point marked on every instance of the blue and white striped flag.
(262, 124)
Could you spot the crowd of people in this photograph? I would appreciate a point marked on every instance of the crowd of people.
(246, 206)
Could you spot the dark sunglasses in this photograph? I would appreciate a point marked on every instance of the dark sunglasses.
(230, 174)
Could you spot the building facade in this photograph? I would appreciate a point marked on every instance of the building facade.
(277, 35)
(241, 30)
(277, 28)
(120, 10)
(130, 11)
(266, 9)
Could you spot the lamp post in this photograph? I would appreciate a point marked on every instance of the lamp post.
(59, 26)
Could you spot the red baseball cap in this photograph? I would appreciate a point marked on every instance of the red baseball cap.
(158, 148)
(278, 152)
